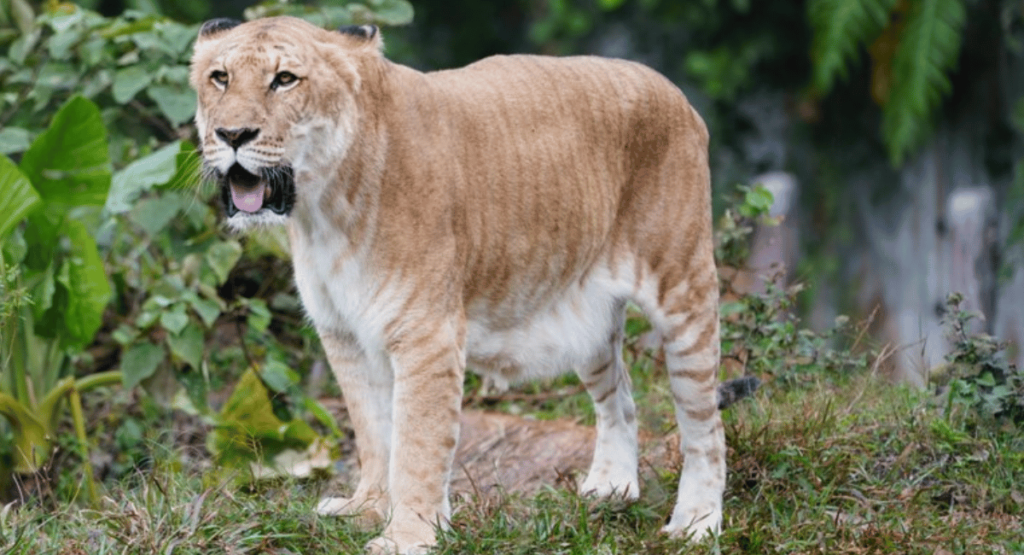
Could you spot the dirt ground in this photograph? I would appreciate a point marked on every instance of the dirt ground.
(504, 452)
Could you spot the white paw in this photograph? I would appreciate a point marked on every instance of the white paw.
(366, 512)
(694, 522)
(385, 546)
(333, 506)
(606, 485)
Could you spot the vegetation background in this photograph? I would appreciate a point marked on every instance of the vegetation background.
(157, 373)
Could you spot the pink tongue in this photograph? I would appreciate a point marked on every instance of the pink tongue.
(248, 201)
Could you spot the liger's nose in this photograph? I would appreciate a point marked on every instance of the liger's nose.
(237, 137)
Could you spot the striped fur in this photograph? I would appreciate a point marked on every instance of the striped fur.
(498, 217)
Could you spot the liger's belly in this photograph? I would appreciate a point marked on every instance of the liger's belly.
(518, 340)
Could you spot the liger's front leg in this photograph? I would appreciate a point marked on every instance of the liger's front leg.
(367, 385)
(428, 363)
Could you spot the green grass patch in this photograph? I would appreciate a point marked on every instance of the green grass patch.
(849, 466)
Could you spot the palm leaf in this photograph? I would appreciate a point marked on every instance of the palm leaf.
(841, 28)
(927, 51)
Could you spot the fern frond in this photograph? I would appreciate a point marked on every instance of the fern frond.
(841, 28)
(927, 51)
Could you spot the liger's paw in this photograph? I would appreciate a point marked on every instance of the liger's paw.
(627, 491)
(694, 522)
(386, 546)
(367, 513)
(613, 488)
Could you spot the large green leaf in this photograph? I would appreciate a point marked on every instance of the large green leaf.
(248, 430)
(42, 233)
(69, 164)
(929, 48)
(841, 28)
(86, 284)
(247, 416)
(17, 197)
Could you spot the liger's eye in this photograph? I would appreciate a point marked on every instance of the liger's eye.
(283, 79)
(220, 78)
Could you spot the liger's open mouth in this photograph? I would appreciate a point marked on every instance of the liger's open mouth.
(272, 189)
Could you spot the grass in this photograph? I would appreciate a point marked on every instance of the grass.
(844, 466)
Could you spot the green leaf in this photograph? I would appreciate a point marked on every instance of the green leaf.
(69, 163)
(725, 70)
(840, 29)
(759, 199)
(23, 16)
(175, 319)
(222, 257)
(140, 362)
(928, 50)
(207, 310)
(141, 175)
(14, 247)
(322, 414)
(129, 81)
(729, 308)
(188, 345)
(637, 325)
(92, 51)
(177, 102)
(42, 294)
(17, 197)
(153, 214)
(13, 139)
(986, 379)
(278, 376)
(87, 285)
(23, 45)
(147, 318)
(297, 431)
(175, 37)
(391, 12)
(248, 430)
(250, 406)
(609, 5)
(31, 435)
(259, 315)
(42, 232)
(60, 44)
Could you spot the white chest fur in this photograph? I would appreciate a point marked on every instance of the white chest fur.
(343, 294)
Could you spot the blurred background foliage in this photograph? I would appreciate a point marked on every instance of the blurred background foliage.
(825, 89)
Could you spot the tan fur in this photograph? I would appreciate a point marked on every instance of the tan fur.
(459, 207)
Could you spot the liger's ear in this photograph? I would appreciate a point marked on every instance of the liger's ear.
(214, 26)
(369, 34)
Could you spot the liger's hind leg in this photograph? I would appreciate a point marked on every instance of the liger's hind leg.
(692, 357)
(613, 471)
